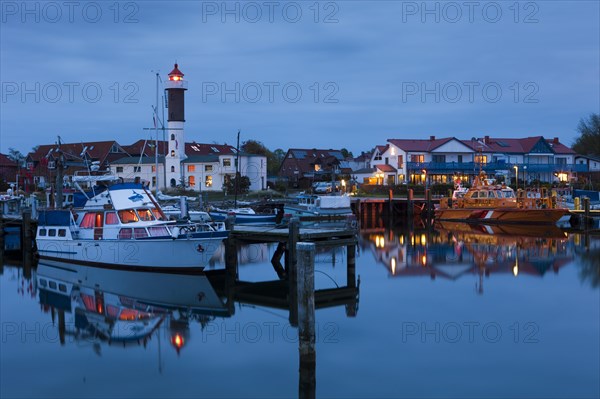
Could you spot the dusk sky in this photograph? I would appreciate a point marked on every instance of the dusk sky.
(327, 74)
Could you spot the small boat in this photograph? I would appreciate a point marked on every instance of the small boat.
(174, 212)
(123, 227)
(487, 202)
(242, 216)
(320, 205)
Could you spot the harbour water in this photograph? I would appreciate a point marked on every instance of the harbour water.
(454, 311)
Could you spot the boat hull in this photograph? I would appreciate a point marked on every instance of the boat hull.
(169, 255)
(504, 215)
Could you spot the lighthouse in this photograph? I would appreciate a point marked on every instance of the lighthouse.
(175, 88)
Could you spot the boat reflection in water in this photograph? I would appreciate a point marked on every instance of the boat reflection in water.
(455, 249)
(126, 306)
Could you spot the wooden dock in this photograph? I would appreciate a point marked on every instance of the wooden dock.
(319, 236)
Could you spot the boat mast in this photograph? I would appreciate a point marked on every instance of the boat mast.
(237, 168)
(156, 142)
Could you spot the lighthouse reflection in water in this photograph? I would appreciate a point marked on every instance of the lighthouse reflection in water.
(486, 311)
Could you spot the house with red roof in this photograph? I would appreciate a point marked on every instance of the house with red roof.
(443, 160)
(303, 166)
(8, 170)
(205, 167)
(41, 164)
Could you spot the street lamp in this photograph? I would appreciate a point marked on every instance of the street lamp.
(516, 176)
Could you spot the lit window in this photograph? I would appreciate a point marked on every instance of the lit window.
(145, 214)
(88, 221)
(226, 162)
(481, 159)
(208, 182)
(126, 216)
(172, 153)
(153, 168)
(157, 214)
(208, 168)
(191, 181)
(191, 168)
(111, 218)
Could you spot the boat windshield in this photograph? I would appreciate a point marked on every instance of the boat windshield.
(508, 194)
(145, 215)
(128, 216)
(157, 214)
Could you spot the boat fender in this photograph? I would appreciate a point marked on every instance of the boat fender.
(175, 232)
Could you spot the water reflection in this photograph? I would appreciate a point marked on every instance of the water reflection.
(452, 250)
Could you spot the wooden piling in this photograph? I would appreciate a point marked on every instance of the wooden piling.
(27, 243)
(231, 271)
(306, 319)
(291, 267)
(409, 205)
(428, 195)
(1, 242)
(390, 209)
(586, 211)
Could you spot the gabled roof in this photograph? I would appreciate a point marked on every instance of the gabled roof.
(364, 171)
(382, 148)
(386, 168)
(211, 158)
(194, 148)
(409, 145)
(7, 162)
(97, 150)
(517, 146)
(305, 159)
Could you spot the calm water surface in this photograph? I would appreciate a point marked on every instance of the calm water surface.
(450, 312)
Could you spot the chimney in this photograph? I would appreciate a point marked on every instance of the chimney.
(486, 140)
(555, 141)
(431, 138)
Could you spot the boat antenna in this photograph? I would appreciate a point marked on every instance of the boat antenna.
(237, 168)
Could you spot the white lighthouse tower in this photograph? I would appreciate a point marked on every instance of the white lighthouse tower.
(175, 88)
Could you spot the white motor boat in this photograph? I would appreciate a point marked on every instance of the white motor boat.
(123, 227)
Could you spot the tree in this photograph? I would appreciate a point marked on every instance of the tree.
(243, 186)
(346, 153)
(274, 159)
(588, 143)
(16, 156)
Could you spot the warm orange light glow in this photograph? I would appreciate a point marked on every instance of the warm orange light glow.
(423, 239)
(175, 77)
(515, 270)
(393, 264)
(424, 260)
(178, 341)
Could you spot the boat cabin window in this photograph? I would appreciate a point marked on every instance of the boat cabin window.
(157, 214)
(43, 232)
(140, 232)
(128, 216)
(111, 218)
(145, 214)
(62, 287)
(125, 234)
(475, 194)
(508, 194)
(52, 284)
(158, 231)
(62, 232)
(483, 194)
(88, 221)
(52, 232)
(43, 283)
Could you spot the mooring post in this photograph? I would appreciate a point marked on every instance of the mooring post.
(586, 212)
(358, 211)
(27, 244)
(230, 222)
(61, 327)
(351, 266)
(428, 194)
(231, 271)
(183, 207)
(306, 319)
(409, 204)
(1, 243)
(291, 267)
(390, 205)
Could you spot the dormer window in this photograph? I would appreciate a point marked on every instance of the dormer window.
(172, 153)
